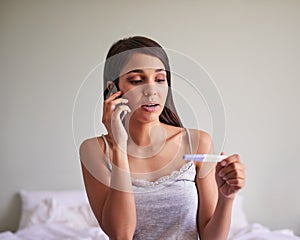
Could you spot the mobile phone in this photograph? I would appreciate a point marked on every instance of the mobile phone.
(114, 89)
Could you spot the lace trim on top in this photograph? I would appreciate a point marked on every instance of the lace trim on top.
(187, 168)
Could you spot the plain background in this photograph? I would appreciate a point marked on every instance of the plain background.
(250, 49)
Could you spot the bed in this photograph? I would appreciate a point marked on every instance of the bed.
(66, 215)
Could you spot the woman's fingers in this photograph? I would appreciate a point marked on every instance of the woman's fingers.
(114, 101)
(114, 110)
(230, 174)
(110, 105)
(236, 182)
(233, 167)
(117, 101)
(231, 159)
(120, 109)
(233, 175)
(111, 102)
(113, 105)
(113, 96)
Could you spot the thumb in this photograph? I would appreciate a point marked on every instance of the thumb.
(219, 166)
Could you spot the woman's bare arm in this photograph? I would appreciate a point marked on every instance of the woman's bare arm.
(214, 214)
(216, 198)
(110, 199)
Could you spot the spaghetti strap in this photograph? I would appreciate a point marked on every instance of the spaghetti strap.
(107, 158)
(189, 139)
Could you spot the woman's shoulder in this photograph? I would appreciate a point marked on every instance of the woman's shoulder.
(201, 140)
(92, 151)
(203, 135)
(92, 143)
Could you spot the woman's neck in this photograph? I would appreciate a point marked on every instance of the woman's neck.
(145, 134)
(146, 140)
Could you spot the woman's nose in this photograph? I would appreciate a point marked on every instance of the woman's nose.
(149, 89)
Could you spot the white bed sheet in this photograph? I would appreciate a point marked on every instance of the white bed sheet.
(257, 231)
(67, 215)
(61, 232)
(53, 231)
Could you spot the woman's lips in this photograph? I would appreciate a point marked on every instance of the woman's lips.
(150, 107)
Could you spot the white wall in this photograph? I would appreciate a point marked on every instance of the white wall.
(251, 50)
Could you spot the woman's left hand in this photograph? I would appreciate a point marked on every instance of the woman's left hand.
(230, 176)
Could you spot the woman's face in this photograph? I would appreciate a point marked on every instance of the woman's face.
(143, 81)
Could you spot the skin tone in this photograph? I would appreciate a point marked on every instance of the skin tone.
(140, 146)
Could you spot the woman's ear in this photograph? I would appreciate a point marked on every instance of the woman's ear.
(109, 85)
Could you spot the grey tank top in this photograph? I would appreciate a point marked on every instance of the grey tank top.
(166, 208)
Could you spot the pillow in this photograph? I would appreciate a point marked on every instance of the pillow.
(50, 210)
(60, 206)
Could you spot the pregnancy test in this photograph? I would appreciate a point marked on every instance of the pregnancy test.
(204, 157)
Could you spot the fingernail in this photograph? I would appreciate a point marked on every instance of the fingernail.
(223, 163)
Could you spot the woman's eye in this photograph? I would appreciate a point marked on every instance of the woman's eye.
(135, 81)
(161, 80)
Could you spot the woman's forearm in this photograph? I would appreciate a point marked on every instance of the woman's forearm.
(218, 226)
(119, 213)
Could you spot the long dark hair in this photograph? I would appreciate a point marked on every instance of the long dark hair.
(119, 54)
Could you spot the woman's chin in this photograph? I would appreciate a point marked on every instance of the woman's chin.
(145, 116)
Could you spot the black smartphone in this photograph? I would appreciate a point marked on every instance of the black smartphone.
(114, 89)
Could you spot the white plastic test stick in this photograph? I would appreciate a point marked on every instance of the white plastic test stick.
(204, 157)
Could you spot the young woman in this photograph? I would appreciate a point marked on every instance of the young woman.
(138, 185)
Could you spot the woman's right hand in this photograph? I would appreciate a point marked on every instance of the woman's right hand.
(111, 118)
